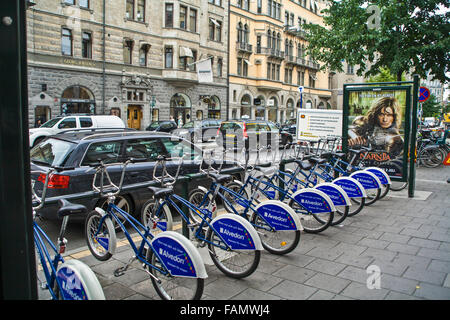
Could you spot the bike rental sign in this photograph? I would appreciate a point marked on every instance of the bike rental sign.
(378, 117)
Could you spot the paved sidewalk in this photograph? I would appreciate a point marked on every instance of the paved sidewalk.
(408, 240)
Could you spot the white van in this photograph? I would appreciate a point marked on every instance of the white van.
(71, 122)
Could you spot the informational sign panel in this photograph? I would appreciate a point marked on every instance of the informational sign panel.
(378, 117)
(313, 124)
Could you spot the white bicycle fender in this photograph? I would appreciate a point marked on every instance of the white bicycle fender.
(314, 200)
(335, 192)
(381, 174)
(352, 187)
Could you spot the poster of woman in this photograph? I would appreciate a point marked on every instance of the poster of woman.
(377, 120)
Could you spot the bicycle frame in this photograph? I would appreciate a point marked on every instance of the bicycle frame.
(112, 212)
(203, 213)
(40, 240)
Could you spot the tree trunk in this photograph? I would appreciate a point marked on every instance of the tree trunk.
(399, 75)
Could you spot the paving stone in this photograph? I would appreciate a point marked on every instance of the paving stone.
(429, 276)
(360, 291)
(292, 290)
(439, 266)
(253, 294)
(327, 282)
(117, 291)
(379, 254)
(432, 292)
(439, 236)
(294, 273)
(224, 288)
(412, 260)
(447, 281)
(434, 254)
(392, 295)
(354, 274)
(354, 260)
(399, 284)
(395, 237)
(325, 266)
(299, 260)
(322, 295)
(404, 248)
(374, 243)
(424, 243)
(325, 253)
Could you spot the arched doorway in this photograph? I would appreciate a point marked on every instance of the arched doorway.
(290, 110)
(77, 99)
(213, 107)
(246, 109)
(260, 108)
(180, 108)
(273, 107)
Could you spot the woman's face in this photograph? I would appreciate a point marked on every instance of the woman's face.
(386, 117)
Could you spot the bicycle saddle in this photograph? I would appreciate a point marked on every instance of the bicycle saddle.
(305, 165)
(219, 178)
(160, 192)
(339, 154)
(264, 165)
(326, 155)
(67, 207)
(317, 160)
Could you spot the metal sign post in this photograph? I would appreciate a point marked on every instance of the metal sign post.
(412, 149)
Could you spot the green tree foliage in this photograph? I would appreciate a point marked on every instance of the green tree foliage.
(431, 107)
(385, 75)
(411, 36)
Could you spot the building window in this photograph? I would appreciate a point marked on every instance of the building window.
(128, 51)
(168, 57)
(219, 67)
(86, 45)
(312, 81)
(84, 4)
(216, 2)
(259, 6)
(183, 11)
(141, 10)
(268, 70)
(130, 10)
(350, 69)
(193, 20)
(239, 66)
(215, 30)
(169, 15)
(143, 53)
(219, 31)
(69, 1)
(66, 42)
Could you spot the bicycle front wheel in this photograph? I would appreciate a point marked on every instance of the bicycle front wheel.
(276, 242)
(235, 264)
(340, 215)
(100, 236)
(398, 185)
(312, 222)
(159, 220)
(173, 288)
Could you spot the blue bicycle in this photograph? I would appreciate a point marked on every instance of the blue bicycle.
(64, 280)
(277, 224)
(174, 265)
(233, 243)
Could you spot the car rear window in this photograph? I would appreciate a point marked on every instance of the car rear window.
(144, 148)
(52, 152)
(229, 126)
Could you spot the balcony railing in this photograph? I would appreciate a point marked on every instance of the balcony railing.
(295, 31)
(272, 52)
(307, 63)
(243, 46)
(290, 59)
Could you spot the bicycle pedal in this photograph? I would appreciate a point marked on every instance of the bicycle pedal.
(119, 272)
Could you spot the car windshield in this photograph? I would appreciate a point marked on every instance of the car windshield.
(154, 125)
(177, 148)
(192, 124)
(52, 152)
(50, 123)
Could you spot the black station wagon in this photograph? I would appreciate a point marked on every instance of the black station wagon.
(77, 150)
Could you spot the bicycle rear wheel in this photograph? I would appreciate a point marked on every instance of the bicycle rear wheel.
(340, 215)
(101, 239)
(276, 242)
(173, 288)
(357, 206)
(398, 185)
(312, 222)
(235, 264)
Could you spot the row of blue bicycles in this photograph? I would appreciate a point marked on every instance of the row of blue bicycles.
(232, 220)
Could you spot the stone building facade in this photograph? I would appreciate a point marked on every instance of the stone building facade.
(268, 61)
(132, 58)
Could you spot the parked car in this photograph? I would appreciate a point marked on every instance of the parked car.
(162, 126)
(199, 130)
(70, 122)
(290, 126)
(250, 133)
(77, 150)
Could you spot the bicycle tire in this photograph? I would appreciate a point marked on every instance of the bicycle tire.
(360, 205)
(174, 288)
(385, 190)
(276, 242)
(229, 262)
(398, 185)
(100, 250)
(196, 197)
(233, 201)
(370, 199)
(340, 215)
(312, 222)
(164, 217)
